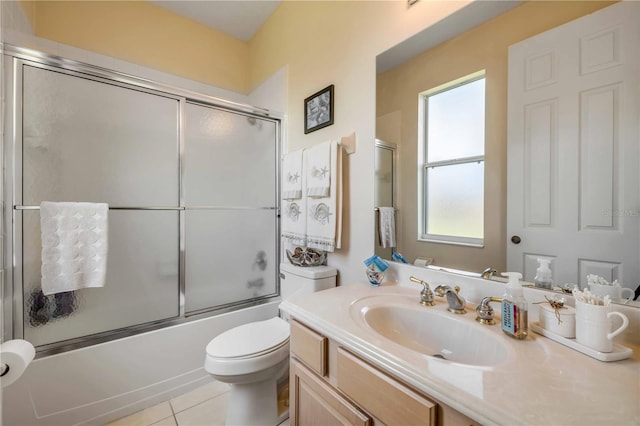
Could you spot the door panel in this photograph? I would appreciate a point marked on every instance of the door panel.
(91, 141)
(141, 287)
(573, 142)
(230, 256)
(230, 159)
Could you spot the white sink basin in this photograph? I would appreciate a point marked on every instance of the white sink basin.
(431, 331)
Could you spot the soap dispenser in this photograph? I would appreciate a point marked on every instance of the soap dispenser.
(514, 308)
(543, 274)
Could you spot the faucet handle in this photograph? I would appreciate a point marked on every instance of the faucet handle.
(441, 289)
(417, 280)
(426, 295)
(485, 311)
(488, 273)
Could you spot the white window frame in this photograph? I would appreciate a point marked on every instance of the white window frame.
(424, 165)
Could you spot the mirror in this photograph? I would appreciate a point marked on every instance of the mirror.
(475, 38)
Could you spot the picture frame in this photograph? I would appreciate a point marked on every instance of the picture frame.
(318, 110)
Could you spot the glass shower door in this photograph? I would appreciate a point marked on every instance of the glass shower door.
(89, 140)
(192, 190)
(384, 183)
(230, 191)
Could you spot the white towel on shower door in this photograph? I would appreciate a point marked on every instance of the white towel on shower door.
(74, 245)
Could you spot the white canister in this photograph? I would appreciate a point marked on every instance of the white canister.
(593, 326)
(563, 323)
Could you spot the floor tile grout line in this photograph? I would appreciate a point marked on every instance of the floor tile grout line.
(174, 413)
(200, 403)
(164, 418)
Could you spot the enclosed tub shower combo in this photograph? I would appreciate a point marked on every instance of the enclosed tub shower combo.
(191, 184)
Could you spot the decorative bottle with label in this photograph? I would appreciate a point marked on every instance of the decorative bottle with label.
(514, 308)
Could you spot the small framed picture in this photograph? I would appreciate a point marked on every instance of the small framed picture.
(318, 110)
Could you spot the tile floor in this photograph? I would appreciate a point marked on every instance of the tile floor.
(204, 406)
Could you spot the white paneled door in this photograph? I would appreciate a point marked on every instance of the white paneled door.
(573, 144)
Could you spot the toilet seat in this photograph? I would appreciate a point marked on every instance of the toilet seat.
(248, 348)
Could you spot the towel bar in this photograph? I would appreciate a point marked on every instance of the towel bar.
(168, 208)
(110, 208)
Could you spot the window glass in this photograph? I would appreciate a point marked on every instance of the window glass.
(455, 197)
(455, 122)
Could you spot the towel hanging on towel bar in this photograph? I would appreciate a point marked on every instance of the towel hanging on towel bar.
(387, 226)
(74, 245)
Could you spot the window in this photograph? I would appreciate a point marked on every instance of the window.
(452, 151)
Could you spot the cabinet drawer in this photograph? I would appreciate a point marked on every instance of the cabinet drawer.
(309, 347)
(315, 403)
(385, 398)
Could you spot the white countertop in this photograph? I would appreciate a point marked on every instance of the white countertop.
(541, 382)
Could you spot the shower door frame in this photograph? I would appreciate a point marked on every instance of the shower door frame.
(13, 305)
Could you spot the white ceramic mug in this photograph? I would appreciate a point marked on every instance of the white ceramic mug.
(593, 325)
(615, 292)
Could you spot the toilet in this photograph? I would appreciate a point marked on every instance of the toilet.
(254, 357)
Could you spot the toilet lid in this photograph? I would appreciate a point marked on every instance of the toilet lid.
(250, 339)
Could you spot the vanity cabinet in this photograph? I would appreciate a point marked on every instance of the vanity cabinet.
(316, 403)
(329, 385)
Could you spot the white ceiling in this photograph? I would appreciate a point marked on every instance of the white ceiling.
(237, 18)
(242, 19)
(466, 18)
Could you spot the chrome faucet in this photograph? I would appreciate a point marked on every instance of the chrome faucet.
(485, 311)
(488, 273)
(456, 302)
(426, 295)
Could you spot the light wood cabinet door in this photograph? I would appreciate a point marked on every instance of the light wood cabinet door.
(309, 347)
(447, 416)
(354, 392)
(381, 395)
(315, 403)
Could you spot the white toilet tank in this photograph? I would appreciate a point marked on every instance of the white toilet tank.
(304, 280)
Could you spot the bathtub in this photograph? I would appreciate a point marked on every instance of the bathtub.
(100, 383)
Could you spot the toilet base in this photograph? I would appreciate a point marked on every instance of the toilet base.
(253, 404)
(253, 398)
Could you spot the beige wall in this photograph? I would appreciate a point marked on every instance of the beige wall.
(319, 42)
(145, 34)
(484, 47)
(336, 42)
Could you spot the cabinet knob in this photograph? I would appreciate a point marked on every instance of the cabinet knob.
(515, 239)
